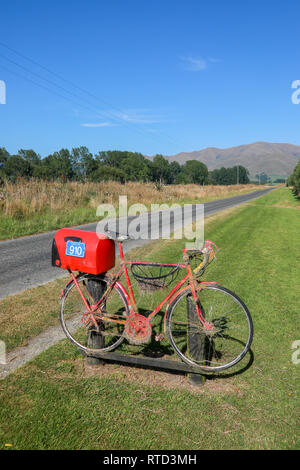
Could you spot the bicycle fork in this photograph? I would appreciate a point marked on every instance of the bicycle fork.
(193, 285)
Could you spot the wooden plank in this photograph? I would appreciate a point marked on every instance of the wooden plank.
(147, 362)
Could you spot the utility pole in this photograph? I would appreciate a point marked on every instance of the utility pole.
(237, 175)
(258, 174)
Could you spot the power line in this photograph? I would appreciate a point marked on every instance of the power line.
(95, 110)
(104, 113)
(35, 83)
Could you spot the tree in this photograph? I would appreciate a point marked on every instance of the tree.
(241, 175)
(194, 171)
(59, 165)
(30, 156)
(136, 167)
(4, 155)
(226, 176)
(175, 170)
(16, 166)
(294, 179)
(108, 173)
(83, 163)
(160, 169)
(134, 164)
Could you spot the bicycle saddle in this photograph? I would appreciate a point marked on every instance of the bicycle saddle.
(118, 237)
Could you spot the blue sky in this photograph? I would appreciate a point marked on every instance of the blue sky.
(148, 76)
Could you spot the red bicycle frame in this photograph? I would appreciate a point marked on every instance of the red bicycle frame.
(129, 295)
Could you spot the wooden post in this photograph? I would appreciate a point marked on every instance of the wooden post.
(95, 340)
(196, 341)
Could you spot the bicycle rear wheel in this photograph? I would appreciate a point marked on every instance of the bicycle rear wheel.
(110, 316)
(221, 347)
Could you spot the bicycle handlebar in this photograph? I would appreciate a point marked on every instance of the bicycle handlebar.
(208, 252)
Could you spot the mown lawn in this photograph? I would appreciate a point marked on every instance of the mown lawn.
(55, 402)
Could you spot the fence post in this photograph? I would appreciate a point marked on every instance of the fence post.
(196, 341)
(95, 340)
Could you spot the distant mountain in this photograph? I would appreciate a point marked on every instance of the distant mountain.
(271, 158)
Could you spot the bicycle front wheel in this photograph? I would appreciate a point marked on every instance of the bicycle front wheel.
(225, 343)
(110, 316)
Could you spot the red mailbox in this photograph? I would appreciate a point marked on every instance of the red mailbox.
(87, 252)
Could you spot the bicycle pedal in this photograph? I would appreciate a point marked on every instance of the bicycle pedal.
(159, 337)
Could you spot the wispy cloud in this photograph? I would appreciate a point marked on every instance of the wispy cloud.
(138, 116)
(98, 124)
(195, 64)
(126, 116)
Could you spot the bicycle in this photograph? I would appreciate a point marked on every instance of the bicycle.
(207, 325)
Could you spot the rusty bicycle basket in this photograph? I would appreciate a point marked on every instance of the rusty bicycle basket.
(152, 276)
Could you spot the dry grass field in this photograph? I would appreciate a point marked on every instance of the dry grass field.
(27, 198)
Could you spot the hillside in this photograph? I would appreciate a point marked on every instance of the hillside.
(271, 158)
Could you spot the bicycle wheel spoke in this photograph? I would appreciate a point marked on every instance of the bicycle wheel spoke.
(106, 323)
(226, 339)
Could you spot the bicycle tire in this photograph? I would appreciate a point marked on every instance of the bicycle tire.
(177, 330)
(71, 325)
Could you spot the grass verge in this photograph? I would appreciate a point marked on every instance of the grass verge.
(62, 405)
(28, 313)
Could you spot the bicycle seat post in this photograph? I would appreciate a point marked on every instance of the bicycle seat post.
(121, 251)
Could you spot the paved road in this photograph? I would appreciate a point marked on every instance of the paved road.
(26, 261)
